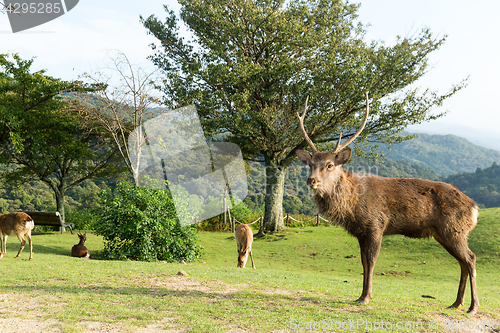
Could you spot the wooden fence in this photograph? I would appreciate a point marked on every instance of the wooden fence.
(315, 219)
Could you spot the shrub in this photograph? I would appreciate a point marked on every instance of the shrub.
(141, 224)
(83, 219)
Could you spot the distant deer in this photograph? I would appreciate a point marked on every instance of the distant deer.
(244, 239)
(19, 224)
(79, 250)
(370, 207)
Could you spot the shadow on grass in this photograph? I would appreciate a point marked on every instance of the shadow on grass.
(13, 247)
(159, 292)
(47, 249)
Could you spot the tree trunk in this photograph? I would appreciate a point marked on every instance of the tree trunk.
(59, 194)
(60, 203)
(275, 183)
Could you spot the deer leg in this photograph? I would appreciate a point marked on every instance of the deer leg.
(467, 260)
(471, 265)
(28, 235)
(23, 242)
(474, 306)
(251, 257)
(464, 276)
(3, 239)
(370, 248)
(365, 274)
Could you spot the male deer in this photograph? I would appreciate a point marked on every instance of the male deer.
(79, 250)
(370, 207)
(19, 224)
(244, 239)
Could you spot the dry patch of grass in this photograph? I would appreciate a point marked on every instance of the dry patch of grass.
(180, 283)
(479, 323)
(16, 324)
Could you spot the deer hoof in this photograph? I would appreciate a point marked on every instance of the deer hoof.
(362, 301)
(472, 311)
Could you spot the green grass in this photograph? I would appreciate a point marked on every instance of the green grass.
(303, 275)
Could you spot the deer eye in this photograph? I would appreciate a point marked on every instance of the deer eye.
(330, 166)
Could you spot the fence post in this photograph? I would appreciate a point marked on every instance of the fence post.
(224, 209)
(317, 220)
(261, 222)
(233, 222)
(287, 223)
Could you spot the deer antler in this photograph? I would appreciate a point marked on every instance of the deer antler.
(338, 146)
(301, 121)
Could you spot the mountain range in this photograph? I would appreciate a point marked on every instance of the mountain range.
(444, 154)
(481, 137)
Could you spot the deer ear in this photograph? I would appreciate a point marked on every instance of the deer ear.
(304, 156)
(343, 156)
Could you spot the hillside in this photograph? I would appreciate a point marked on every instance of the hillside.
(388, 167)
(483, 185)
(445, 154)
(482, 137)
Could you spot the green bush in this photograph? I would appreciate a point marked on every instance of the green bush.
(141, 224)
(83, 219)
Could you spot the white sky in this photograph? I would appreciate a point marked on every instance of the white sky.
(81, 40)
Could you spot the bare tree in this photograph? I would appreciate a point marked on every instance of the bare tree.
(122, 106)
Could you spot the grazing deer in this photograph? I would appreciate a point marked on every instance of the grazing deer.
(19, 224)
(79, 250)
(244, 239)
(370, 207)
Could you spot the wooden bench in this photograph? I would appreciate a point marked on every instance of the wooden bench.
(51, 219)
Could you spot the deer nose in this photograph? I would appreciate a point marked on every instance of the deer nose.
(311, 181)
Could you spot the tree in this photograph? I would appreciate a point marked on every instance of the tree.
(42, 135)
(23, 93)
(250, 65)
(122, 108)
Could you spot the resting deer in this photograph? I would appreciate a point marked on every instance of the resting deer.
(370, 207)
(244, 239)
(19, 224)
(79, 250)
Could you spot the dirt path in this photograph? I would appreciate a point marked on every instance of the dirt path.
(21, 325)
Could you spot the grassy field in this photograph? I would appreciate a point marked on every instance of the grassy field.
(304, 276)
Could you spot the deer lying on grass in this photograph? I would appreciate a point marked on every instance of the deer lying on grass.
(19, 224)
(79, 250)
(244, 239)
(370, 207)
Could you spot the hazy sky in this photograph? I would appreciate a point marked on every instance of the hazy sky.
(82, 39)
